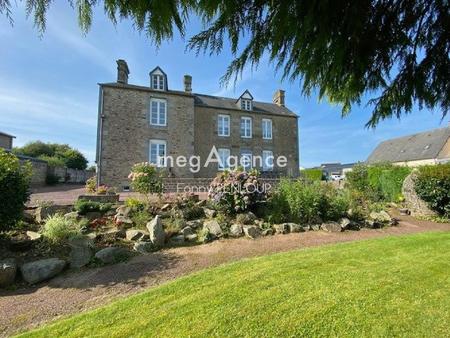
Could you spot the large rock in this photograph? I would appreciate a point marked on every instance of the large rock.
(143, 247)
(34, 236)
(345, 223)
(236, 230)
(187, 231)
(8, 269)
(111, 255)
(246, 218)
(135, 235)
(380, 218)
(280, 228)
(210, 213)
(80, 252)
(42, 213)
(156, 230)
(267, 232)
(213, 227)
(195, 224)
(178, 239)
(331, 227)
(123, 210)
(416, 205)
(38, 271)
(73, 216)
(314, 227)
(123, 221)
(293, 227)
(29, 215)
(252, 231)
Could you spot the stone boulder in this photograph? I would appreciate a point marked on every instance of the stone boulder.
(8, 269)
(29, 215)
(42, 213)
(188, 233)
(252, 231)
(331, 227)
(136, 235)
(293, 227)
(210, 213)
(111, 254)
(314, 227)
(416, 205)
(73, 216)
(178, 239)
(143, 247)
(246, 218)
(213, 228)
(195, 224)
(280, 228)
(34, 236)
(123, 210)
(156, 231)
(80, 252)
(236, 230)
(38, 271)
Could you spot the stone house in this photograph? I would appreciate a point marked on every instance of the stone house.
(6, 141)
(430, 147)
(149, 123)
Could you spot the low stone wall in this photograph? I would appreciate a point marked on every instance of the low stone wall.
(417, 206)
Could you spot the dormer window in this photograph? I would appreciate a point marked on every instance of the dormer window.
(245, 101)
(246, 104)
(158, 79)
(158, 82)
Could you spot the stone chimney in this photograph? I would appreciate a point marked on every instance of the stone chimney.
(278, 97)
(122, 71)
(187, 83)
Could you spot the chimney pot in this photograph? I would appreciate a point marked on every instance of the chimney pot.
(278, 97)
(122, 71)
(187, 83)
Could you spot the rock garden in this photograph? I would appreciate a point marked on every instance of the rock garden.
(48, 239)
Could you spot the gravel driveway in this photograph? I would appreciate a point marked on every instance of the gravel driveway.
(89, 288)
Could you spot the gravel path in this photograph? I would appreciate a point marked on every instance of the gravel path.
(75, 292)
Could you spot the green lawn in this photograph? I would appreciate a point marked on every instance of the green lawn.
(398, 286)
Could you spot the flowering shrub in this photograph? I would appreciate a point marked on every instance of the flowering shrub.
(91, 185)
(146, 178)
(236, 191)
(102, 189)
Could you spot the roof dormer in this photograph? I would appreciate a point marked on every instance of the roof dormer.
(158, 79)
(245, 101)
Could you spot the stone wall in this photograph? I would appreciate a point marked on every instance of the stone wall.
(417, 206)
(68, 175)
(39, 168)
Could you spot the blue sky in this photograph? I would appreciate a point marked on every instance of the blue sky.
(48, 86)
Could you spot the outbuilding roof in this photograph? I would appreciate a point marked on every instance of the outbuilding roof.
(421, 146)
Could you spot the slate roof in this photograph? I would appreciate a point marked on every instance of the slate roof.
(5, 134)
(213, 101)
(421, 146)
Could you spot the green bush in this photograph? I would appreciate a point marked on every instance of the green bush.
(83, 207)
(380, 182)
(14, 183)
(236, 191)
(311, 174)
(307, 202)
(58, 229)
(433, 186)
(146, 179)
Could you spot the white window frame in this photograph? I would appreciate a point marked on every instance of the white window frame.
(158, 82)
(246, 104)
(225, 160)
(246, 133)
(158, 113)
(222, 131)
(265, 155)
(250, 155)
(266, 134)
(158, 144)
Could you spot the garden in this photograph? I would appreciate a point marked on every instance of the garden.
(40, 242)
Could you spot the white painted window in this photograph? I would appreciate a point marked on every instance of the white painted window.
(224, 156)
(246, 127)
(267, 158)
(267, 129)
(223, 125)
(158, 81)
(246, 160)
(158, 150)
(158, 112)
(246, 104)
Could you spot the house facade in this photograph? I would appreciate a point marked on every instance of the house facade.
(430, 147)
(159, 125)
(6, 141)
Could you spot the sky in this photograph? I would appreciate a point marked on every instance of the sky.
(49, 86)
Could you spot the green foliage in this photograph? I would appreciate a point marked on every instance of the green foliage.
(236, 191)
(58, 229)
(14, 184)
(433, 186)
(135, 204)
(395, 52)
(307, 202)
(83, 207)
(146, 179)
(380, 182)
(55, 154)
(311, 174)
(91, 185)
(140, 216)
(174, 225)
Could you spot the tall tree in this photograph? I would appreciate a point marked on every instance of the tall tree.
(397, 52)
